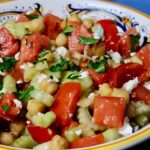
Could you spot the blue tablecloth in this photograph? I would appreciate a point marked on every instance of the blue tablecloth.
(142, 5)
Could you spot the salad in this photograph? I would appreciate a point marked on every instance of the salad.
(70, 83)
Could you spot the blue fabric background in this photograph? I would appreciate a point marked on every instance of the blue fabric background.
(142, 5)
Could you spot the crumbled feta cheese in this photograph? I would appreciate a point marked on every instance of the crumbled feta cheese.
(41, 77)
(132, 54)
(130, 85)
(147, 85)
(126, 129)
(26, 65)
(54, 79)
(19, 81)
(83, 74)
(2, 73)
(116, 57)
(98, 32)
(78, 132)
(17, 103)
(17, 56)
(62, 51)
(91, 95)
(94, 58)
(1, 60)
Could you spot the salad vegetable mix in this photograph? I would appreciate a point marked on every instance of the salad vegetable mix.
(70, 83)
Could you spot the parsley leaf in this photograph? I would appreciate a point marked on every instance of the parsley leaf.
(73, 76)
(32, 16)
(1, 85)
(5, 107)
(24, 94)
(86, 40)
(68, 30)
(60, 66)
(40, 60)
(42, 54)
(134, 41)
(98, 66)
(7, 63)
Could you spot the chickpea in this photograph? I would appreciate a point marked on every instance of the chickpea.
(61, 39)
(120, 93)
(16, 127)
(88, 22)
(75, 18)
(49, 87)
(34, 107)
(105, 90)
(6, 138)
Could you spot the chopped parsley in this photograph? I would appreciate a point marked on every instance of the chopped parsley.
(40, 60)
(7, 63)
(86, 40)
(5, 107)
(73, 76)
(1, 85)
(134, 41)
(32, 16)
(25, 94)
(42, 54)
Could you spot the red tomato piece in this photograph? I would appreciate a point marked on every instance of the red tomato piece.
(32, 45)
(40, 134)
(140, 93)
(9, 45)
(13, 111)
(111, 34)
(109, 111)
(73, 40)
(144, 55)
(65, 102)
(52, 26)
(87, 141)
(125, 42)
(124, 73)
(145, 76)
(98, 78)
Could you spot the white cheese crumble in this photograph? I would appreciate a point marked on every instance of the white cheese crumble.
(17, 103)
(132, 54)
(54, 79)
(83, 74)
(41, 77)
(17, 56)
(91, 95)
(78, 132)
(130, 85)
(62, 51)
(1, 60)
(126, 129)
(147, 85)
(116, 57)
(94, 58)
(98, 32)
(26, 65)
(19, 81)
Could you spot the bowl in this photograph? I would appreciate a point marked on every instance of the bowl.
(125, 17)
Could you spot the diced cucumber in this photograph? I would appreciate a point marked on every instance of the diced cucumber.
(40, 66)
(54, 74)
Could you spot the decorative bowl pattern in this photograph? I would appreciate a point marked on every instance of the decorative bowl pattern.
(125, 18)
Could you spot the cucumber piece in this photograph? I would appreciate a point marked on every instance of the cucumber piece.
(54, 74)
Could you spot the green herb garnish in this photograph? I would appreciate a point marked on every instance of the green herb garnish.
(40, 60)
(73, 76)
(5, 107)
(86, 40)
(68, 30)
(98, 66)
(134, 41)
(32, 16)
(7, 63)
(1, 85)
(25, 94)
(42, 54)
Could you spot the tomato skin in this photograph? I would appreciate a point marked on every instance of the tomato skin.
(109, 111)
(40, 134)
(32, 45)
(111, 34)
(52, 26)
(8, 43)
(87, 141)
(124, 73)
(125, 42)
(65, 102)
(73, 41)
(140, 93)
(7, 99)
(144, 55)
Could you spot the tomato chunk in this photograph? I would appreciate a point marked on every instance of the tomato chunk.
(124, 73)
(125, 42)
(144, 55)
(40, 134)
(32, 45)
(87, 141)
(52, 26)
(7, 100)
(65, 102)
(73, 40)
(109, 111)
(9, 45)
(140, 93)
(111, 34)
